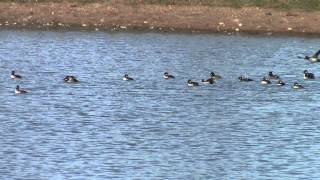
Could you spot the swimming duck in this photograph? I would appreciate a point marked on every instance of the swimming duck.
(265, 81)
(244, 79)
(70, 79)
(192, 83)
(166, 75)
(297, 86)
(127, 78)
(19, 91)
(273, 76)
(214, 76)
(15, 76)
(307, 75)
(313, 58)
(208, 81)
(280, 83)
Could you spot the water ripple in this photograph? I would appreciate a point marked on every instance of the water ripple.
(150, 128)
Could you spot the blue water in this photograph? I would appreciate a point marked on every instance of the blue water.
(151, 128)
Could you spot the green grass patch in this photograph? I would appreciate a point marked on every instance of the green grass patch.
(277, 4)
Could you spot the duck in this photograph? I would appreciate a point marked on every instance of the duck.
(70, 79)
(314, 58)
(307, 75)
(127, 78)
(297, 86)
(273, 76)
(208, 81)
(192, 83)
(214, 76)
(244, 79)
(280, 83)
(19, 91)
(265, 81)
(166, 75)
(15, 76)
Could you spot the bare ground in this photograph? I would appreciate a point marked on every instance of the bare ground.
(121, 16)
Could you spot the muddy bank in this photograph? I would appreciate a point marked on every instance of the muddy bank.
(119, 16)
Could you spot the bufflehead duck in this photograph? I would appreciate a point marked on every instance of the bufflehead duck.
(19, 91)
(192, 83)
(244, 79)
(280, 83)
(127, 78)
(208, 81)
(166, 75)
(313, 58)
(70, 79)
(15, 76)
(307, 75)
(265, 81)
(273, 76)
(297, 86)
(214, 76)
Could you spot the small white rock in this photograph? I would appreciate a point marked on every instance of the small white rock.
(84, 25)
(237, 29)
(240, 24)
(289, 29)
(145, 22)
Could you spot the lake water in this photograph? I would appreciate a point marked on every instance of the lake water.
(151, 128)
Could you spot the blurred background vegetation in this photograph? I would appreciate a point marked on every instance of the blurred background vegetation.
(278, 4)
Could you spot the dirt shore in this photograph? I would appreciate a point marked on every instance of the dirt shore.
(121, 16)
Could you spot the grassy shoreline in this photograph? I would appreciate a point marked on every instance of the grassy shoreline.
(311, 5)
(112, 15)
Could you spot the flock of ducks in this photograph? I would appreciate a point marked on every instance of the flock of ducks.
(213, 77)
(18, 90)
(264, 81)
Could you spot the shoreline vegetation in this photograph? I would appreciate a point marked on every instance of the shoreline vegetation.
(227, 16)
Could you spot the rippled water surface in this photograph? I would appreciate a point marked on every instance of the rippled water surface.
(151, 128)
